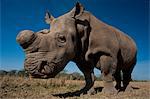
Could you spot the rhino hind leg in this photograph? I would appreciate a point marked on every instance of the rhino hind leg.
(127, 76)
(126, 80)
(127, 70)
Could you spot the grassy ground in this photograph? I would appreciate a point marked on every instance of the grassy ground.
(25, 88)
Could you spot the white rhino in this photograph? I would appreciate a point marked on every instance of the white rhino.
(80, 37)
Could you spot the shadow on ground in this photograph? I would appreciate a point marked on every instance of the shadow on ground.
(78, 92)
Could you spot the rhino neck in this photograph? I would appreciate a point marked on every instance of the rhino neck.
(91, 27)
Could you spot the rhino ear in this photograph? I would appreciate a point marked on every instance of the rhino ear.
(48, 18)
(77, 10)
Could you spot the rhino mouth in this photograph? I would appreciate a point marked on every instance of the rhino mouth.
(43, 68)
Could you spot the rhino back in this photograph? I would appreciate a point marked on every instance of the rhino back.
(108, 39)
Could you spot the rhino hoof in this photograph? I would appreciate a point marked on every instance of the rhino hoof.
(109, 88)
(110, 91)
(91, 91)
(129, 89)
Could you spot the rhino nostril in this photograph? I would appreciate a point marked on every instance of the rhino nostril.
(44, 68)
(42, 65)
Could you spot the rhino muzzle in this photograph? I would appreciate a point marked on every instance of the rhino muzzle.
(40, 69)
(39, 65)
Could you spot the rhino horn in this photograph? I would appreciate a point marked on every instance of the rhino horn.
(26, 38)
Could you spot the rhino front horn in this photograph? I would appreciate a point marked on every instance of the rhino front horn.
(26, 38)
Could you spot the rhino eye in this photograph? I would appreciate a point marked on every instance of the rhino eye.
(61, 38)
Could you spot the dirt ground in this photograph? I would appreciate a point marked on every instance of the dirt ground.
(25, 88)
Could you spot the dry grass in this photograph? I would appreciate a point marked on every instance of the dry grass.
(25, 88)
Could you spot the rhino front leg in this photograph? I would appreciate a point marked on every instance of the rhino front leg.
(108, 68)
(89, 79)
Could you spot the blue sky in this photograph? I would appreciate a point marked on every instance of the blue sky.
(130, 16)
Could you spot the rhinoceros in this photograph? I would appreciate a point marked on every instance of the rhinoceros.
(80, 37)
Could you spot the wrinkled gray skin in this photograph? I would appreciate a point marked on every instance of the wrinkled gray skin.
(80, 37)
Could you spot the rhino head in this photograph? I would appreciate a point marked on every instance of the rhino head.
(47, 53)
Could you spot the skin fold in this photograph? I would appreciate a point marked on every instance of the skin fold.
(80, 37)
